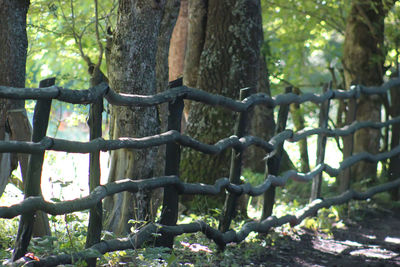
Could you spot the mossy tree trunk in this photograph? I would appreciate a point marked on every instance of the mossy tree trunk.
(363, 60)
(132, 69)
(229, 61)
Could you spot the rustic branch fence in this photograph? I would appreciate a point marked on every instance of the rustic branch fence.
(171, 182)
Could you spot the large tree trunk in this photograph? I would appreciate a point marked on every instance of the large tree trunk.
(13, 47)
(14, 123)
(229, 61)
(131, 69)
(197, 21)
(363, 62)
(177, 47)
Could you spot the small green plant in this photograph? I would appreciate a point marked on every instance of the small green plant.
(326, 219)
(8, 232)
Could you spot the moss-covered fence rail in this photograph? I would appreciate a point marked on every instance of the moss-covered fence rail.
(171, 182)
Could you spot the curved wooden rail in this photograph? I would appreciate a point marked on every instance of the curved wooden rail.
(148, 232)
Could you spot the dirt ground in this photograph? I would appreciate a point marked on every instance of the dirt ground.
(371, 240)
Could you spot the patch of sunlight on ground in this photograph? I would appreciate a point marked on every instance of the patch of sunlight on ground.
(393, 240)
(374, 252)
(356, 248)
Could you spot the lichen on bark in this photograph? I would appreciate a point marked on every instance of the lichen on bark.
(132, 69)
(229, 61)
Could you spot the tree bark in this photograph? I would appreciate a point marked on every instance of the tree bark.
(13, 49)
(14, 123)
(177, 47)
(363, 60)
(197, 22)
(229, 61)
(131, 69)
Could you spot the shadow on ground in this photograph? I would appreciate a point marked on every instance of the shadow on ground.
(373, 240)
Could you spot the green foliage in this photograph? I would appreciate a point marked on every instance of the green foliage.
(326, 219)
(69, 236)
(53, 50)
(392, 37)
(8, 232)
(303, 38)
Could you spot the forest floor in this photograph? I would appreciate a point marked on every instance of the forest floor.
(370, 238)
(373, 240)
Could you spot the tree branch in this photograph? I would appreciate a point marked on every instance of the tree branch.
(98, 35)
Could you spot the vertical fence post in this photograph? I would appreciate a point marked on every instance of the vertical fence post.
(321, 144)
(96, 213)
(169, 215)
(236, 167)
(274, 162)
(348, 144)
(34, 173)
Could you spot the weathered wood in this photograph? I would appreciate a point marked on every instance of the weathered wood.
(394, 165)
(348, 146)
(96, 213)
(100, 144)
(221, 239)
(229, 211)
(37, 203)
(299, 123)
(273, 163)
(33, 179)
(86, 97)
(169, 215)
(321, 144)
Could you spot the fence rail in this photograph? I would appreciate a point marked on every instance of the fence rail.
(174, 137)
(102, 90)
(136, 241)
(100, 192)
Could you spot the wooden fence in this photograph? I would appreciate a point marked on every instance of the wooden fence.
(171, 182)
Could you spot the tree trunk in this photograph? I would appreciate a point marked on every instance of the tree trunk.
(131, 69)
(14, 123)
(13, 47)
(363, 60)
(229, 61)
(197, 22)
(177, 47)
